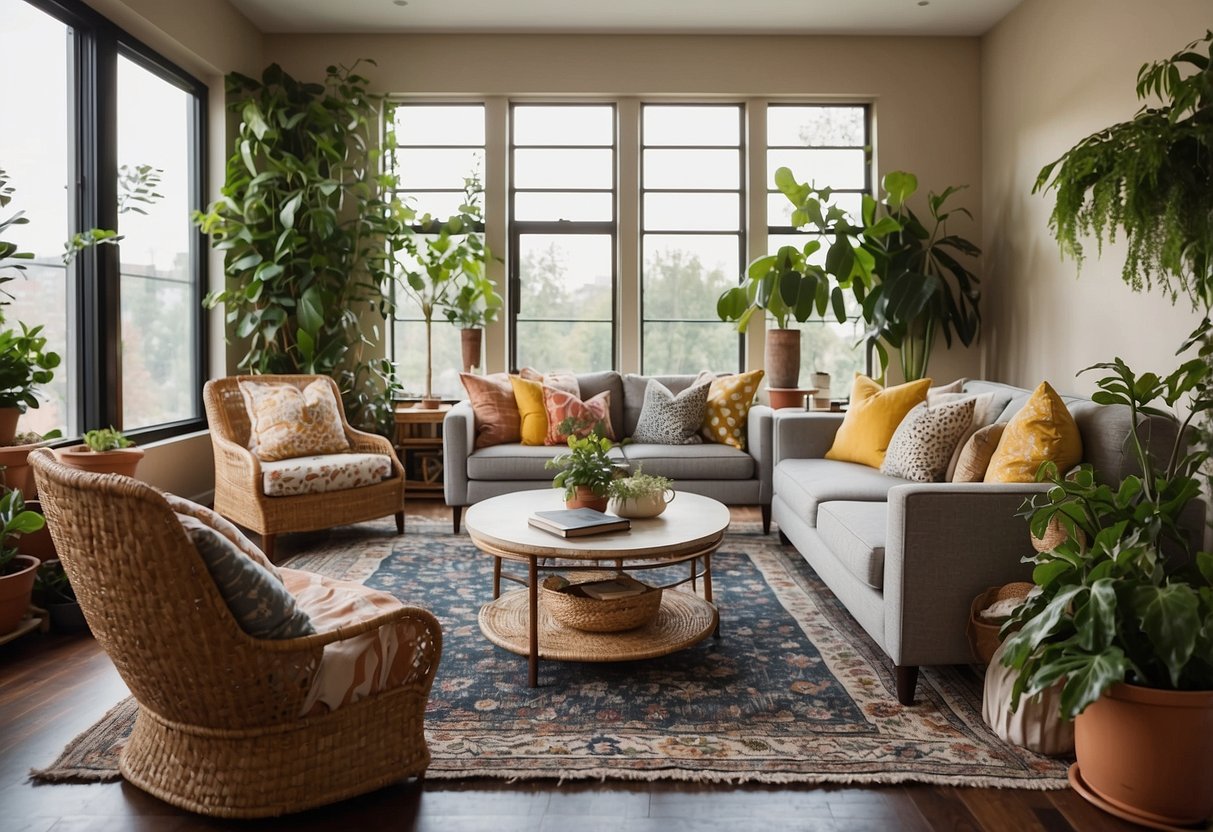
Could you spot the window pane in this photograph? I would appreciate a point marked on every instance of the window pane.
(779, 209)
(692, 169)
(684, 274)
(689, 125)
(438, 204)
(820, 168)
(35, 156)
(443, 168)
(815, 126)
(549, 168)
(565, 277)
(829, 347)
(409, 354)
(551, 346)
(440, 124)
(571, 207)
(685, 347)
(560, 125)
(692, 212)
(158, 297)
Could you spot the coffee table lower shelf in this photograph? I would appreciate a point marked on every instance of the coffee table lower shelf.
(684, 620)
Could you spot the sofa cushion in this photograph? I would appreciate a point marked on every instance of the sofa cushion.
(924, 442)
(729, 401)
(804, 484)
(975, 456)
(592, 384)
(286, 421)
(671, 419)
(318, 474)
(1043, 430)
(698, 462)
(518, 462)
(532, 417)
(872, 417)
(634, 389)
(494, 407)
(590, 416)
(855, 534)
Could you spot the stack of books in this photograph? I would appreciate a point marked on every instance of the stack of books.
(578, 522)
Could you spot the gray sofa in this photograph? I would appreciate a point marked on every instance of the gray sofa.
(906, 558)
(719, 471)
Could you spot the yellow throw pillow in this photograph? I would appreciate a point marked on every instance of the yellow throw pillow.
(729, 402)
(872, 418)
(1043, 429)
(533, 417)
(288, 422)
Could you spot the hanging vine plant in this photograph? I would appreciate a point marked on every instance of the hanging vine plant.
(308, 223)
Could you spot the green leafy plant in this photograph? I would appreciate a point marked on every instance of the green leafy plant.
(587, 464)
(51, 584)
(25, 364)
(1110, 606)
(638, 485)
(106, 439)
(309, 229)
(15, 520)
(1148, 177)
(136, 186)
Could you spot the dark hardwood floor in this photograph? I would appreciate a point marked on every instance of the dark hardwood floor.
(52, 687)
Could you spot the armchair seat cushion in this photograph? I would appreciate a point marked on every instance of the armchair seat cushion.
(359, 667)
(318, 474)
(805, 484)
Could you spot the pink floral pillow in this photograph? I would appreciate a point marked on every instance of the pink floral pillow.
(586, 416)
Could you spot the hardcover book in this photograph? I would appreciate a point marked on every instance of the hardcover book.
(576, 522)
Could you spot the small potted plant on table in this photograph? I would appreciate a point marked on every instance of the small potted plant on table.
(105, 451)
(586, 471)
(640, 495)
(17, 571)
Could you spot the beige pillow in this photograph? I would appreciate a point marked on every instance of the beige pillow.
(288, 422)
(944, 389)
(983, 414)
(560, 381)
(976, 453)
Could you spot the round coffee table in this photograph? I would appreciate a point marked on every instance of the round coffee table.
(688, 531)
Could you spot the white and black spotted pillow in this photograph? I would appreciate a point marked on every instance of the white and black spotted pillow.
(923, 443)
(666, 419)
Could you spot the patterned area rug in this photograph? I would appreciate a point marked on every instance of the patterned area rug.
(792, 692)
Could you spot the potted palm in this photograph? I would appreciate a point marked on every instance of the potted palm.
(105, 451)
(17, 571)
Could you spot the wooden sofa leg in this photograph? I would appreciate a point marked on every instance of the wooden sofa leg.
(456, 515)
(766, 519)
(784, 539)
(400, 522)
(267, 545)
(907, 682)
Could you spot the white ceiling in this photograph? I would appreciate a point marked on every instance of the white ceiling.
(791, 17)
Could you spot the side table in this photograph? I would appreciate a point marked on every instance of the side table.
(419, 445)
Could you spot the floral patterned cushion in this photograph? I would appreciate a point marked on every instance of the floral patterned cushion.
(589, 416)
(288, 422)
(328, 472)
(358, 667)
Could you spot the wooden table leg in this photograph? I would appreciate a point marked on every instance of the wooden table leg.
(496, 578)
(707, 589)
(533, 604)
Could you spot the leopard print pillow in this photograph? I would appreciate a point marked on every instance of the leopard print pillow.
(666, 419)
(923, 443)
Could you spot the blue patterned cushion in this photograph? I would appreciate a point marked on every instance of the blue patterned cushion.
(256, 597)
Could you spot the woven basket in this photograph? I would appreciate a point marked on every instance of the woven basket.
(983, 637)
(595, 616)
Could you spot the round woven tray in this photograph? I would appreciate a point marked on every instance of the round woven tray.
(598, 616)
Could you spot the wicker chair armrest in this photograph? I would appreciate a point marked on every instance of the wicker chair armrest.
(362, 442)
(239, 460)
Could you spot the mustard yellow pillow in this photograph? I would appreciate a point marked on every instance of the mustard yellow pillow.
(1042, 430)
(872, 418)
(729, 401)
(533, 417)
(287, 422)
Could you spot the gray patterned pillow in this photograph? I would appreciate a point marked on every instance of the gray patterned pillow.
(666, 419)
(259, 602)
(923, 443)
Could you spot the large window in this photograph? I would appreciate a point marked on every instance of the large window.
(692, 241)
(112, 139)
(825, 145)
(562, 235)
(437, 148)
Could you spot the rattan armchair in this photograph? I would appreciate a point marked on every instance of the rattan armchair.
(238, 491)
(219, 730)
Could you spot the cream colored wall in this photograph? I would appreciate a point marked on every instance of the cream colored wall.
(925, 92)
(1053, 72)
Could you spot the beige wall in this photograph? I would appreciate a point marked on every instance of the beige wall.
(925, 91)
(1053, 72)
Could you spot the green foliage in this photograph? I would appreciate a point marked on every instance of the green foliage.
(307, 233)
(15, 520)
(1109, 607)
(25, 363)
(106, 439)
(1150, 177)
(638, 485)
(9, 251)
(587, 463)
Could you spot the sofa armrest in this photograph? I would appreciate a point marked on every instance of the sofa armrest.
(458, 441)
(758, 443)
(798, 434)
(946, 543)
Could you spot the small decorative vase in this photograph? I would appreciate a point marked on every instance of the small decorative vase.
(783, 357)
(470, 340)
(637, 508)
(586, 498)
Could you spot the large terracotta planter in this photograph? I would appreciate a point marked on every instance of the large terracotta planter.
(470, 340)
(586, 498)
(17, 473)
(15, 591)
(8, 423)
(1148, 753)
(123, 461)
(783, 358)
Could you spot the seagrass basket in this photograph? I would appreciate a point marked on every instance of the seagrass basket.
(592, 615)
(983, 636)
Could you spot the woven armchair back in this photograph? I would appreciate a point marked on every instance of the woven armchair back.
(153, 607)
(225, 410)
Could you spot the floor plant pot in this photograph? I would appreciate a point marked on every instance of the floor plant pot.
(783, 358)
(8, 423)
(586, 498)
(15, 591)
(470, 340)
(67, 617)
(122, 461)
(1147, 754)
(17, 473)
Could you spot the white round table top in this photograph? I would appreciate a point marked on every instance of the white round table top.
(690, 522)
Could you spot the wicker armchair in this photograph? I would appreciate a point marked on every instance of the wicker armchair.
(238, 491)
(219, 730)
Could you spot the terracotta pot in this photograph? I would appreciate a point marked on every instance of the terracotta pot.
(781, 397)
(586, 498)
(1149, 753)
(123, 461)
(430, 403)
(783, 358)
(17, 473)
(15, 591)
(470, 340)
(8, 423)
(650, 505)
